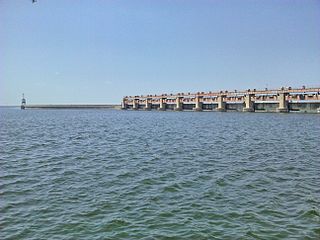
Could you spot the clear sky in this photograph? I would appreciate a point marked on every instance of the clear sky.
(97, 51)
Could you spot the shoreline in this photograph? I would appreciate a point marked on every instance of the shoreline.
(67, 106)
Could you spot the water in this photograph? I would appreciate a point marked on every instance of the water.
(104, 174)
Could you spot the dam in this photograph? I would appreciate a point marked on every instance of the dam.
(306, 100)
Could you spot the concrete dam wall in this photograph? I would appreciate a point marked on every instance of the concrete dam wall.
(281, 100)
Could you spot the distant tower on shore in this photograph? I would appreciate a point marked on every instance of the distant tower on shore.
(23, 102)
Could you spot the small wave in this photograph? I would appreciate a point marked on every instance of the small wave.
(172, 188)
(221, 182)
(115, 223)
(311, 213)
(148, 181)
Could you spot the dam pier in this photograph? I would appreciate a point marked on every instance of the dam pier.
(281, 100)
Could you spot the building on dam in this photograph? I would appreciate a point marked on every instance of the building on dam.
(252, 100)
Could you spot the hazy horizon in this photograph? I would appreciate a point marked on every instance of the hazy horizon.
(95, 52)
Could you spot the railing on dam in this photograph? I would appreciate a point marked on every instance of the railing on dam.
(280, 100)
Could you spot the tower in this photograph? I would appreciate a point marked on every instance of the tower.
(23, 102)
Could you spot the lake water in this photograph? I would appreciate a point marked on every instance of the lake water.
(107, 174)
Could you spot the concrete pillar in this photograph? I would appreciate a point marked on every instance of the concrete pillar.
(135, 104)
(249, 104)
(221, 104)
(283, 103)
(162, 104)
(318, 98)
(198, 106)
(148, 105)
(124, 104)
(179, 104)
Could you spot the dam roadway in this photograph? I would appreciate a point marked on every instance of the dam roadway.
(278, 100)
(72, 106)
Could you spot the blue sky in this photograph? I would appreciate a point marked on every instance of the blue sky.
(96, 51)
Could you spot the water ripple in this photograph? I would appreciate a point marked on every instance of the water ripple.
(95, 174)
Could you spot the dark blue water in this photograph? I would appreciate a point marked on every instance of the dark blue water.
(104, 174)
